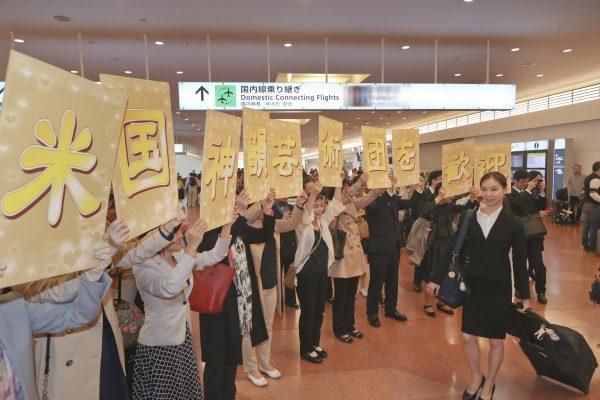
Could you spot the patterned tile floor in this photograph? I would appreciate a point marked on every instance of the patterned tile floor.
(423, 358)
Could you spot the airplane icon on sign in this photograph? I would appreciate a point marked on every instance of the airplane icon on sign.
(222, 100)
(228, 93)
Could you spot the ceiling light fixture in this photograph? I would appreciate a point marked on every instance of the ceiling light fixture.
(186, 119)
(567, 50)
(405, 47)
(159, 43)
(539, 76)
(19, 40)
(179, 72)
(515, 49)
(287, 45)
(380, 117)
(403, 117)
(128, 72)
(61, 18)
(457, 75)
(499, 75)
(468, 1)
(73, 71)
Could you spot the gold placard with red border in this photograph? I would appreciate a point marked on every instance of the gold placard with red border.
(285, 158)
(375, 157)
(458, 160)
(405, 156)
(256, 167)
(331, 137)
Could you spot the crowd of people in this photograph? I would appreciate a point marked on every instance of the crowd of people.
(327, 244)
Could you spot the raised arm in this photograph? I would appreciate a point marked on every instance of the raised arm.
(287, 225)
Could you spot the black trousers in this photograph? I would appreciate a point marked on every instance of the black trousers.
(537, 269)
(384, 270)
(575, 205)
(219, 382)
(113, 384)
(312, 293)
(343, 305)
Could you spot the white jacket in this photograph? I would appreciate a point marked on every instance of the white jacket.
(165, 291)
(306, 234)
(74, 363)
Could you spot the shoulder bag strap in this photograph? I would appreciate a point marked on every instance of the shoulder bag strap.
(462, 234)
(46, 370)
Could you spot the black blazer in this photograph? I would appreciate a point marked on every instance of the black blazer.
(524, 203)
(489, 258)
(385, 230)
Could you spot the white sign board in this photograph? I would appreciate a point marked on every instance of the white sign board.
(342, 96)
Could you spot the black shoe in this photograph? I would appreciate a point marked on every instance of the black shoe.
(417, 288)
(309, 358)
(429, 311)
(322, 353)
(468, 396)
(493, 390)
(541, 298)
(588, 249)
(374, 321)
(345, 338)
(357, 334)
(444, 308)
(395, 315)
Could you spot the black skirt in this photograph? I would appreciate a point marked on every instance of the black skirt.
(487, 312)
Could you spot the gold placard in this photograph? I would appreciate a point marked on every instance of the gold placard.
(457, 167)
(58, 136)
(492, 157)
(375, 158)
(256, 167)
(219, 168)
(331, 136)
(405, 155)
(145, 180)
(285, 158)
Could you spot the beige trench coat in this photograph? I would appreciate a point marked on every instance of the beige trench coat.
(75, 355)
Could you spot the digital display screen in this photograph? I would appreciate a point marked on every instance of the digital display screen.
(536, 161)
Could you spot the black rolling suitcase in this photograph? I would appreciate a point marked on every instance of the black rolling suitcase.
(555, 351)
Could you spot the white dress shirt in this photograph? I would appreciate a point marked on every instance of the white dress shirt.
(487, 221)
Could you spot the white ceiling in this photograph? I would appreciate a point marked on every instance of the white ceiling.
(112, 33)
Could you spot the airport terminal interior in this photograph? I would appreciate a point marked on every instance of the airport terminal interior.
(414, 117)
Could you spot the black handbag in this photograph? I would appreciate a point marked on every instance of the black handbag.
(338, 237)
(454, 288)
(534, 226)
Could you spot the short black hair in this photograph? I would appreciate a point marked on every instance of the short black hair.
(434, 175)
(534, 174)
(520, 174)
(596, 166)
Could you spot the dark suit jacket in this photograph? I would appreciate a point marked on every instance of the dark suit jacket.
(525, 203)
(385, 230)
(488, 258)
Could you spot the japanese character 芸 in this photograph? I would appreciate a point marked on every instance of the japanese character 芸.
(284, 159)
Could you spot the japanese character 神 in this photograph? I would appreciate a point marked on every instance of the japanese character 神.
(58, 158)
(457, 164)
(256, 152)
(376, 158)
(223, 164)
(331, 149)
(406, 155)
(284, 158)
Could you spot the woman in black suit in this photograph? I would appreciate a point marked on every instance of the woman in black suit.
(493, 231)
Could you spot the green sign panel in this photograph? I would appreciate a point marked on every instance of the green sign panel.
(225, 96)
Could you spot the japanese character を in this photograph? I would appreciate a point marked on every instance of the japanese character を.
(457, 164)
(58, 158)
(331, 150)
(256, 152)
(376, 157)
(406, 155)
(284, 159)
(223, 164)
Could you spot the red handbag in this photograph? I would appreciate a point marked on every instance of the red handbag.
(210, 288)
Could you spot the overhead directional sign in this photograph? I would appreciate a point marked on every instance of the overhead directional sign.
(343, 96)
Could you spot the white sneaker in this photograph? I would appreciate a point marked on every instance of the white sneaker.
(258, 382)
(274, 374)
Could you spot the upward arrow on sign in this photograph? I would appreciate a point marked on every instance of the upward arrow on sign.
(202, 90)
